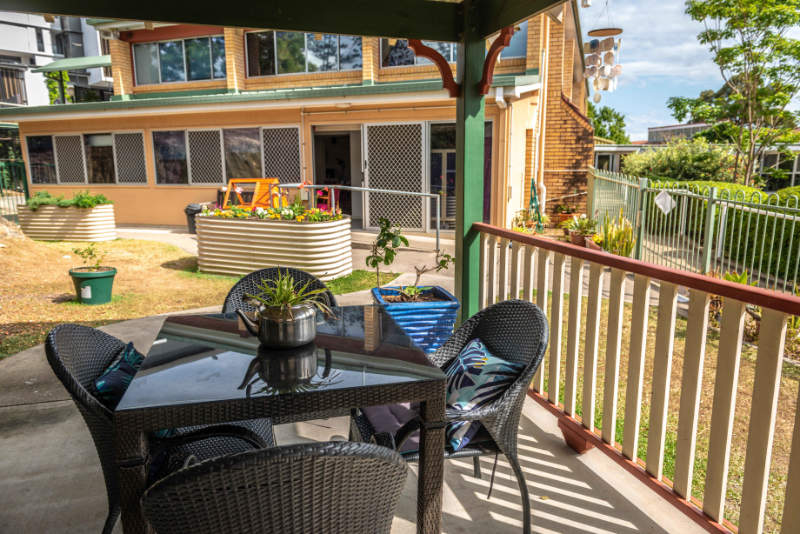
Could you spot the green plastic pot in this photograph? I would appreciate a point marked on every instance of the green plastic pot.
(93, 287)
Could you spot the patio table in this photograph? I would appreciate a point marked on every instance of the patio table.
(206, 369)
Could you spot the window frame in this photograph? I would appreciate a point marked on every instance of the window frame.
(183, 56)
(305, 54)
(82, 135)
(428, 63)
(220, 129)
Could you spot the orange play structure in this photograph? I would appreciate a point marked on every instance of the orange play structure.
(267, 193)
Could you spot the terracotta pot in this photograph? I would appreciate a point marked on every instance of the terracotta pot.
(577, 238)
(562, 217)
(592, 245)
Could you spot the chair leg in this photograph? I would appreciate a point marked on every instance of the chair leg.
(111, 520)
(523, 489)
(476, 465)
(491, 479)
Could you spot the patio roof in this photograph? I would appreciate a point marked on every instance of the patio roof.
(75, 63)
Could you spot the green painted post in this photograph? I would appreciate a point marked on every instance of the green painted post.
(641, 214)
(708, 232)
(469, 162)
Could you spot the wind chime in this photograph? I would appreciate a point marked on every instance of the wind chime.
(602, 55)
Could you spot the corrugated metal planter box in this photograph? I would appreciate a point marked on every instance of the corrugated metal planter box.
(429, 324)
(240, 246)
(53, 223)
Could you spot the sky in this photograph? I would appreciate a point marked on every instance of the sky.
(660, 58)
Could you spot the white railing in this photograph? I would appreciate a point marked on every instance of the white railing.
(618, 297)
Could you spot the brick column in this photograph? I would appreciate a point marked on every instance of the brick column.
(370, 50)
(121, 67)
(235, 58)
(533, 54)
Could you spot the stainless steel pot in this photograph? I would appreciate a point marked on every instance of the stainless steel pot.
(283, 332)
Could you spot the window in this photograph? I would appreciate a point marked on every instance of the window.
(41, 159)
(242, 148)
(170, 155)
(271, 52)
(99, 158)
(779, 170)
(199, 58)
(39, 40)
(12, 86)
(105, 49)
(519, 43)
(399, 54)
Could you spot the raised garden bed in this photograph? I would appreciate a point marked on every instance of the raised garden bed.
(237, 246)
(56, 223)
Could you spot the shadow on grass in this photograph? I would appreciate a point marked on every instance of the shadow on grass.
(188, 268)
(17, 337)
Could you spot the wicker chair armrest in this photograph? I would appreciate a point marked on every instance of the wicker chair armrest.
(483, 412)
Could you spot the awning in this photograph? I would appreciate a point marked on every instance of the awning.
(75, 63)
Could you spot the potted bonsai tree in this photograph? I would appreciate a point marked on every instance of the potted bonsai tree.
(426, 313)
(93, 281)
(286, 312)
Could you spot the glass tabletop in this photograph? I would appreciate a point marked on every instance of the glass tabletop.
(212, 357)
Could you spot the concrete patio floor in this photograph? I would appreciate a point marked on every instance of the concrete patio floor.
(51, 479)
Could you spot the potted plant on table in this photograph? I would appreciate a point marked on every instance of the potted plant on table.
(426, 313)
(286, 312)
(93, 282)
(579, 228)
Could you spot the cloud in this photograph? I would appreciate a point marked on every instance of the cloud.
(658, 40)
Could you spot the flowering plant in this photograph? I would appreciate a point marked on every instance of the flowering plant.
(293, 212)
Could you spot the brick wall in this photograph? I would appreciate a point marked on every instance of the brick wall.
(235, 59)
(569, 143)
(121, 66)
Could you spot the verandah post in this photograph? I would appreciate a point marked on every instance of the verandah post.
(469, 161)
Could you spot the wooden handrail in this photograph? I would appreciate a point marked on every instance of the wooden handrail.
(748, 294)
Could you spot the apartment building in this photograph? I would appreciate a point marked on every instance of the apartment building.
(195, 106)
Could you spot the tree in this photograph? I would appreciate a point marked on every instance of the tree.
(53, 90)
(608, 124)
(760, 66)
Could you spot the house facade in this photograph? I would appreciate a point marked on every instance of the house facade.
(195, 106)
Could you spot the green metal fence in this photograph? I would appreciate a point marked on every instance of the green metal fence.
(706, 229)
(13, 188)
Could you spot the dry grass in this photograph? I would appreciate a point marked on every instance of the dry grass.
(36, 292)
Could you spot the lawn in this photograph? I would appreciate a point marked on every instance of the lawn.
(36, 292)
(785, 418)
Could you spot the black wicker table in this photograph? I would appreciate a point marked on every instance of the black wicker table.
(205, 369)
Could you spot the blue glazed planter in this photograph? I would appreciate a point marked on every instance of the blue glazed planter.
(428, 324)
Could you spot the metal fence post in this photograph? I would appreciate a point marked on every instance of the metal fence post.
(708, 232)
(590, 193)
(641, 211)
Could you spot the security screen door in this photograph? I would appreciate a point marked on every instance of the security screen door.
(395, 159)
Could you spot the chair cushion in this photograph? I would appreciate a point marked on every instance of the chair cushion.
(475, 379)
(390, 418)
(112, 383)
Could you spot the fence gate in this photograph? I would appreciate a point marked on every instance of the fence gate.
(395, 159)
(13, 188)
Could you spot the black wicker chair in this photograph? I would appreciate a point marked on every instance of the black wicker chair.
(332, 487)
(78, 355)
(236, 297)
(514, 330)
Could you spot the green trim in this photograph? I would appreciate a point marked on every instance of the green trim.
(75, 63)
(415, 19)
(97, 22)
(515, 80)
(9, 125)
(137, 101)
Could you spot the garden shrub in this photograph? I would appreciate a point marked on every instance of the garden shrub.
(81, 199)
(682, 160)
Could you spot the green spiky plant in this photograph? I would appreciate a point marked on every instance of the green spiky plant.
(279, 295)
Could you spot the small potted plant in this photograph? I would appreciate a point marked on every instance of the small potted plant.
(563, 212)
(286, 312)
(426, 313)
(93, 281)
(578, 228)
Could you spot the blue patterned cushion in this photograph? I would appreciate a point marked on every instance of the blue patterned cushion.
(474, 379)
(111, 385)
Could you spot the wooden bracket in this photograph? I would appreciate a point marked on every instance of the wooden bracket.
(489, 63)
(448, 82)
